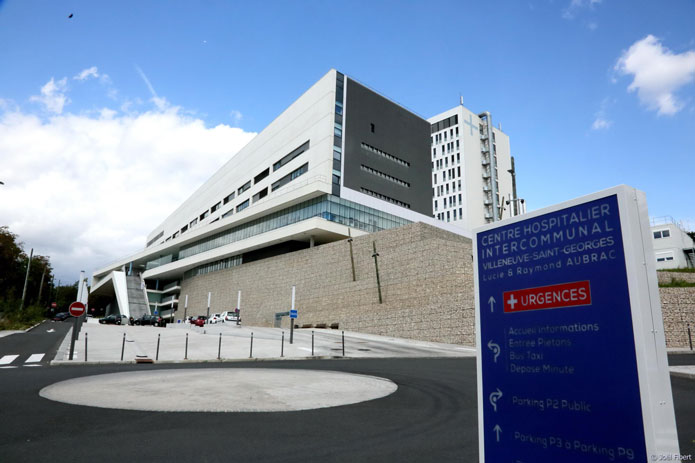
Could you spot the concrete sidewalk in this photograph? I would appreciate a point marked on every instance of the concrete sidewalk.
(184, 342)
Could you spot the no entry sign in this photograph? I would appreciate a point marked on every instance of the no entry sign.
(76, 309)
(571, 352)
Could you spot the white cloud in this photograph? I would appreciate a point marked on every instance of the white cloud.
(657, 73)
(53, 96)
(601, 121)
(576, 6)
(87, 73)
(87, 189)
(601, 124)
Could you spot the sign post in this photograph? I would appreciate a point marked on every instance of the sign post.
(572, 361)
(76, 309)
(293, 317)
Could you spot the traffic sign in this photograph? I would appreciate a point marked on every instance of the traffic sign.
(76, 309)
(571, 353)
(54, 305)
(293, 313)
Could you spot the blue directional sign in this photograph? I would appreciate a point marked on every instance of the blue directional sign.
(293, 313)
(557, 349)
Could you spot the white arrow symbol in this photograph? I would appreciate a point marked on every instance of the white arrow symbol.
(495, 348)
(497, 430)
(494, 397)
(491, 301)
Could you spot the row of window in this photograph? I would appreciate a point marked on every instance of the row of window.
(444, 136)
(444, 189)
(445, 123)
(384, 198)
(385, 176)
(338, 133)
(289, 177)
(386, 155)
(213, 266)
(449, 201)
(239, 191)
(663, 259)
(327, 207)
(447, 216)
(662, 234)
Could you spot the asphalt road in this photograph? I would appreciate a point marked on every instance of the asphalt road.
(43, 339)
(432, 417)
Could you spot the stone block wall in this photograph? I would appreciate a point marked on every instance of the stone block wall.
(426, 277)
(678, 310)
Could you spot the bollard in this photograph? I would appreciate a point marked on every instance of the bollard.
(157, 356)
(312, 343)
(219, 348)
(123, 347)
(343, 343)
(282, 345)
(185, 354)
(85, 346)
(251, 351)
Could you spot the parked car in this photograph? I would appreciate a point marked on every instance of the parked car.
(114, 320)
(152, 320)
(199, 320)
(229, 316)
(61, 317)
(214, 318)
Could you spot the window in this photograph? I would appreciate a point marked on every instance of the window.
(435, 205)
(193, 222)
(666, 234)
(459, 199)
(293, 154)
(228, 213)
(458, 170)
(385, 198)
(242, 206)
(435, 178)
(204, 214)
(337, 153)
(338, 130)
(458, 158)
(184, 229)
(371, 127)
(261, 176)
(244, 187)
(260, 195)
(229, 197)
(289, 177)
(215, 207)
(175, 235)
(386, 155)
(338, 108)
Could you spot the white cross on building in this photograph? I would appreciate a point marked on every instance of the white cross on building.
(512, 301)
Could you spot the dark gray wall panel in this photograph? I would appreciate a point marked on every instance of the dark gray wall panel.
(397, 132)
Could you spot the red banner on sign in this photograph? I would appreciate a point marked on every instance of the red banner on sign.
(548, 297)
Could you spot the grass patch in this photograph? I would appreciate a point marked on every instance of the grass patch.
(16, 320)
(679, 270)
(677, 283)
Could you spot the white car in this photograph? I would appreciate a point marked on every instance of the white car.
(229, 316)
(214, 318)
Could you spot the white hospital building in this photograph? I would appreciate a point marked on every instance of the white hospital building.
(341, 161)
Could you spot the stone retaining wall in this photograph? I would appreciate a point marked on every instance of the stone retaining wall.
(426, 277)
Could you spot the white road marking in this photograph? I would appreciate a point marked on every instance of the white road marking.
(34, 358)
(7, 359)
(3, 368)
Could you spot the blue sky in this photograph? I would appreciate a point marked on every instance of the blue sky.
(107, 106)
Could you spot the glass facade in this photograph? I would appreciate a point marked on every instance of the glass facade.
(213, 266)
(327, 207)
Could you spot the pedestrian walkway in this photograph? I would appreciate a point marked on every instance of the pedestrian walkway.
(228, 341)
